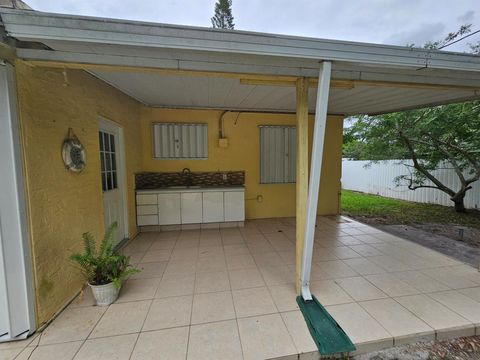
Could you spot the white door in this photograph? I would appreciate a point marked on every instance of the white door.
(112, 167)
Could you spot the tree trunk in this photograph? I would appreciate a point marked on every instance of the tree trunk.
(458, 201)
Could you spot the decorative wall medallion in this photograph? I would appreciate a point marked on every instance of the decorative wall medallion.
(73, 153)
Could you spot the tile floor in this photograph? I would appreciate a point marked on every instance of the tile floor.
(229, 294)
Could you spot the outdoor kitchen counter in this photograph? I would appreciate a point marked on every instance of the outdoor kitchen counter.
(176, 189)
(183, 205)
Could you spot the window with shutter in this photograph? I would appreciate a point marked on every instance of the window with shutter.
(277, 154)
(180, 141)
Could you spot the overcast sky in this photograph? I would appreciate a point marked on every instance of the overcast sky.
(398, 22)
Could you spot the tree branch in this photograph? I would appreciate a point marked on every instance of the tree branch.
(473, 178)
(415, 187)
(422, 186)
(468, 156)
(424, 171)
(452, 160)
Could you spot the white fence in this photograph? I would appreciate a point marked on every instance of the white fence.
(378, 178)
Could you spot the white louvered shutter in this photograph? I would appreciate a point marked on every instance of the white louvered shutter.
(277, 154)
(180, 141)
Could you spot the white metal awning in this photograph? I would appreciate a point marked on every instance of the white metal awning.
(376, 78)
(185, 91)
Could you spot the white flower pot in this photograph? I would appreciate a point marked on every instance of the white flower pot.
(105, 294)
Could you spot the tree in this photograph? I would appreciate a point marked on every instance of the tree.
(223, 18)
(448, 134)
(450, 38)
(429, 137)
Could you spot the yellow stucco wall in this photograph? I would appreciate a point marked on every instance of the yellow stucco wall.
(330, 187)
(61, 204)
(243, 153)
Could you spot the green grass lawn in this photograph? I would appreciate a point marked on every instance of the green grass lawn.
(393, 211)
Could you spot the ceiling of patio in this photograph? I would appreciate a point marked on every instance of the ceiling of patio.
(160, 90)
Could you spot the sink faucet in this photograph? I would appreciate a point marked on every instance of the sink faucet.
(188, 176)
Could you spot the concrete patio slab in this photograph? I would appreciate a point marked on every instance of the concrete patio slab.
(230, 294)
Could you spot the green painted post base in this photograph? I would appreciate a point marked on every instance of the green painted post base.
(327, 334)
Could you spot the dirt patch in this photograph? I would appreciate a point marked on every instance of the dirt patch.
(460, 242)
(456, 249)
(465, 348)
(465, 234)
(468, 235)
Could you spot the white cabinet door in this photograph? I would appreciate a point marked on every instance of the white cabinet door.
(169, 209)
(147, 209)
(234, 204)
(191, 208)
(213, 207)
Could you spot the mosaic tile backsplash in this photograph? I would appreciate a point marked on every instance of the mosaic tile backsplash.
(155, 180)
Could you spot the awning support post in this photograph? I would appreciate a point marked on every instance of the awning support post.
(301, 174)
(315, 175)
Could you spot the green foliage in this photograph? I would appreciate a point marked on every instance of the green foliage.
(223, 18)
(382, 137)
(475, 48)
(366, 139)
(105, 265)
(452, 36)
(464, 31)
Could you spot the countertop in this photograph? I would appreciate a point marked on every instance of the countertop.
(182, 189)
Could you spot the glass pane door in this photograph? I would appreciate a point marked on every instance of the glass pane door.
(108, 161)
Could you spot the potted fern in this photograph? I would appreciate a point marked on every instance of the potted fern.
(104, 268)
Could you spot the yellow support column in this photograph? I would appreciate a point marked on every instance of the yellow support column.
(301, 174)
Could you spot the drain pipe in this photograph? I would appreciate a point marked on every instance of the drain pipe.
(315, 174)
